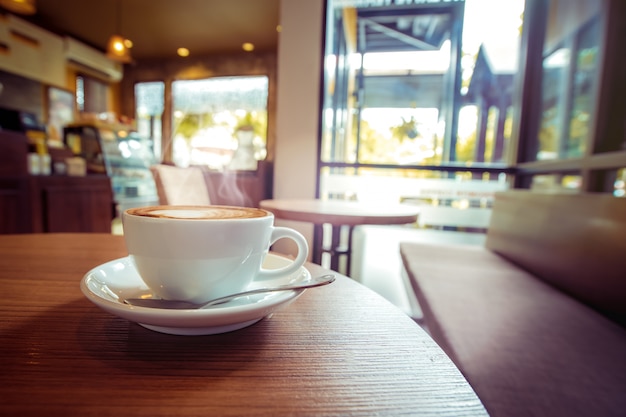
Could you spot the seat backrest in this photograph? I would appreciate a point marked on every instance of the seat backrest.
(576, 242)
(180, 186)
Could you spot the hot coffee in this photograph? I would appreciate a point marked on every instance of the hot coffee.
(196, 253)
(198, 212)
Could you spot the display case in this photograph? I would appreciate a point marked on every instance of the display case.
(122, 154)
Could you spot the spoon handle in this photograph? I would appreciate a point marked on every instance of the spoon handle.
(185, 305)
(314, 282)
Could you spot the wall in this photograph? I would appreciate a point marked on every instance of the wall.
(31, 51)
(32, 59)
(300, 51)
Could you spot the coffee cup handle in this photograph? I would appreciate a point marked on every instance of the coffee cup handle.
(303, 252)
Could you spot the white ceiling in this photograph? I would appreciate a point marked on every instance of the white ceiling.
(158, 27)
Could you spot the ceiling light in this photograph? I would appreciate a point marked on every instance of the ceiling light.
(117, 49)
(248, 47)
(19, 6)
(182, 52)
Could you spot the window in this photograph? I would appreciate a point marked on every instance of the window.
(572, 130)
(417, 101)
(619, 186)
(220, 122)
(92, 95)
(149, 99)
(433, 87)
(570, 78)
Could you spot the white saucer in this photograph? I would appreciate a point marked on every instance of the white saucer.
(109, 283)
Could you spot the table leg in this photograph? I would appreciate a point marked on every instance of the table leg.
(349, 251)
(318, 244)
(338, 250)
(335, 248)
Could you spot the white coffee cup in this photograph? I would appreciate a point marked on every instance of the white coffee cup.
(197, 253)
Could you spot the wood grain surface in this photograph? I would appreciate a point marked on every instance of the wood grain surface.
(335, 351)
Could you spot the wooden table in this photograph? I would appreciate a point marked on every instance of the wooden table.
(337, 350)
(338, 214)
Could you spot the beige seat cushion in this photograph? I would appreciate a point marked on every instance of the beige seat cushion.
(180, 186)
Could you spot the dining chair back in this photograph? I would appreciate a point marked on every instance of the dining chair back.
(180, 186)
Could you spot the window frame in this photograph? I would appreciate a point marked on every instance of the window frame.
(599, 165)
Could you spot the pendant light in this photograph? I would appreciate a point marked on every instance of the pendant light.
(118, 47)
(26, 7)
(118, 50)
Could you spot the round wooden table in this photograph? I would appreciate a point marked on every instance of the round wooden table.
(334, 351)
(337, 214)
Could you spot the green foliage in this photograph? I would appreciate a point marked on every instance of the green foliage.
(406, 129)
(466, 148)
(189, 126)
(374, 148)
(255, 121)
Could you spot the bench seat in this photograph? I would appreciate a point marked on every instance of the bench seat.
(527, 347)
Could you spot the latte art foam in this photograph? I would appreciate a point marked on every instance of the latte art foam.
(198, 212)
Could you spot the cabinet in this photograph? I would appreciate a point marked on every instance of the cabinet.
(13, 200)
(71, 204)
(56, 203)
(13, 184)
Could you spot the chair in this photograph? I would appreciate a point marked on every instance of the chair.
(180, 186)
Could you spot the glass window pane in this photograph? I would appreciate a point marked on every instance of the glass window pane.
(491, 152)
(583, 88)
(570, 78)
(220, 122)
(466, 138)
(149, 99)
(91, 95)
(417, 84)
(401, 76)
(556, 182)
(399, 136)
(619, 188)
(457, 199)
(555, 68)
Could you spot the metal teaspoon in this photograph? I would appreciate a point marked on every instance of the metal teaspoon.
(185, 305)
